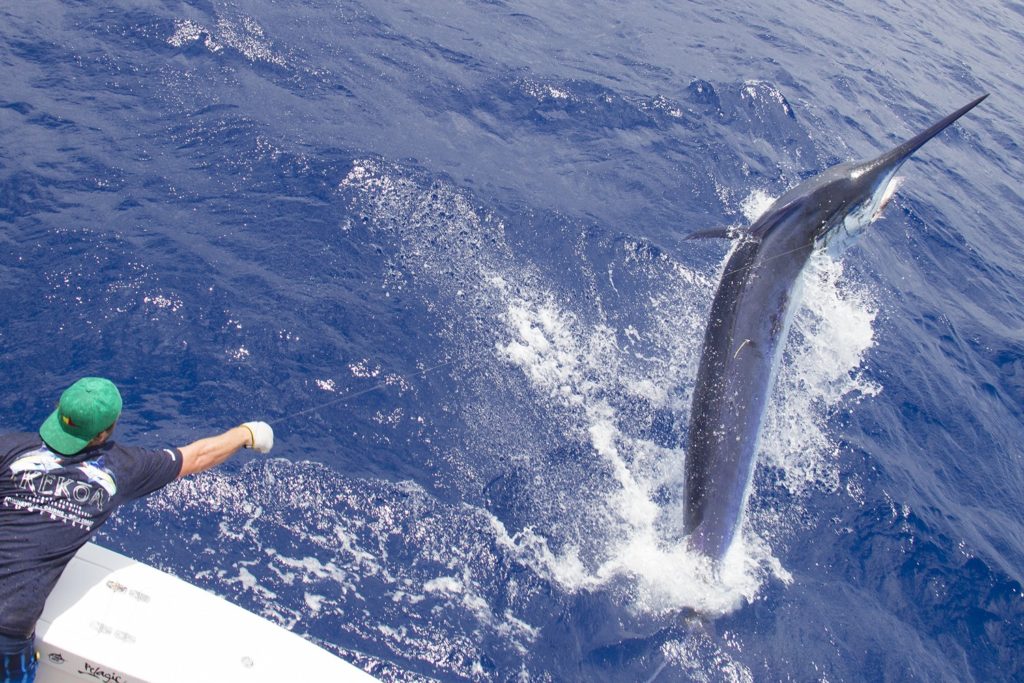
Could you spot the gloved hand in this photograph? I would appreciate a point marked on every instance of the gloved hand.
(262, 436)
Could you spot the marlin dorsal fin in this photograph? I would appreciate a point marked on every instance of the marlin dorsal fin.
(730, 233)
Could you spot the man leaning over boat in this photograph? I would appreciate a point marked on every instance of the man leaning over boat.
(58, 486)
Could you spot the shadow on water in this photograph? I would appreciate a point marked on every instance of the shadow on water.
(597, 639)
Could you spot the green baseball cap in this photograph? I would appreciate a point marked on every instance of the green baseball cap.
(86, 408)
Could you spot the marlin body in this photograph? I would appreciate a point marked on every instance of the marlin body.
(749, 323)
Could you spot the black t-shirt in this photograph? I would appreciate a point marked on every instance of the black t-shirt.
(51, 504)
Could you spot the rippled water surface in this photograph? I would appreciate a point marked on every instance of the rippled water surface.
(442, 246)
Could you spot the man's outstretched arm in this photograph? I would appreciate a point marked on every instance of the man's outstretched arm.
(213, 450)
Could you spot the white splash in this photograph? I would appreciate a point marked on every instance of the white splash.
(165, 301)
(239, 354)
(831, 335)
(244, 35)
(574, 368)
(763, 91)
(612, 521)
(326, 385)
(755, 204)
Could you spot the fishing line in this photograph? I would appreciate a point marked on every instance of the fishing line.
(427, 371)
(390, 380)
(771, 258)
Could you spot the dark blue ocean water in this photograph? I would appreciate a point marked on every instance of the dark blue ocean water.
(247, 210)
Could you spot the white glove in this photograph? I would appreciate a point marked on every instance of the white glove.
(262, 436)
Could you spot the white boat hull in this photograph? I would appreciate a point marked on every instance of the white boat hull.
(115, 620)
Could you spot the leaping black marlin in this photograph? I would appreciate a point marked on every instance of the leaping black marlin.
(749, 323)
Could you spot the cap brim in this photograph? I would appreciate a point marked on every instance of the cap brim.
(59, 440)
